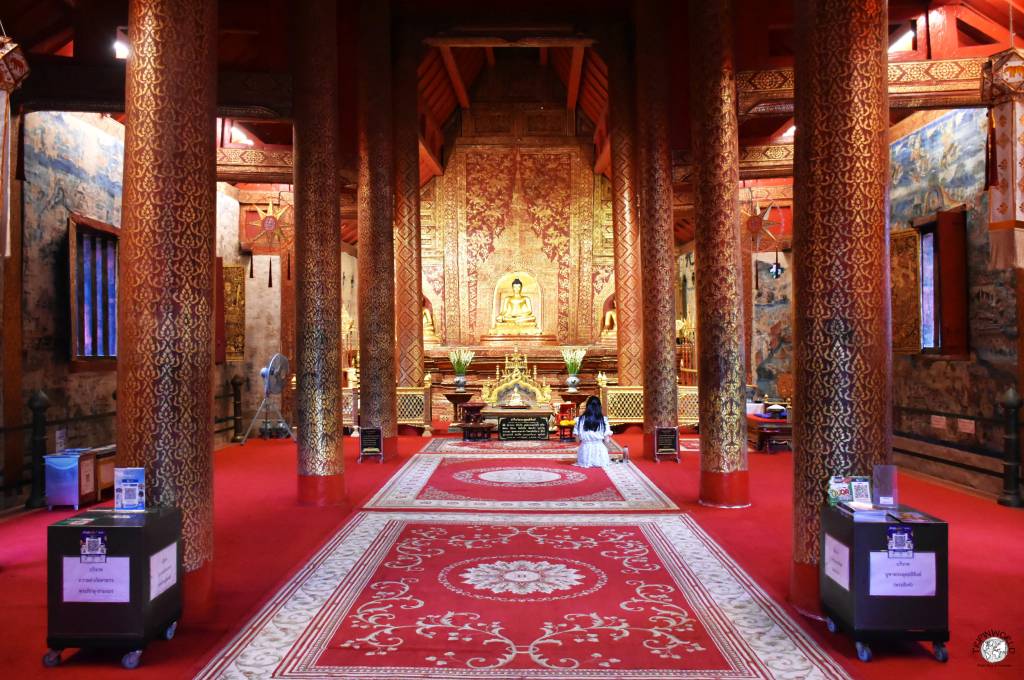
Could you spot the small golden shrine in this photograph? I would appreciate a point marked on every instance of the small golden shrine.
(516, 385)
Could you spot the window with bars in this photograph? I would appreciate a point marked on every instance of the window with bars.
(92, 260)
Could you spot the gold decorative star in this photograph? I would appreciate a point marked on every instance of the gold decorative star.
(271, 228)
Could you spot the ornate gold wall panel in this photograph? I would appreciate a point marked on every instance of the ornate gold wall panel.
(408, 268)
(628, 285)
(165, 319)
(905, 263)
(843, 377)
(376, 209)
(234, 313)
(657, 244)
(720, 302)
(317, 240)
(505, 206)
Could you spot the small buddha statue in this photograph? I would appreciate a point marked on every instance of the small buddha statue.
(429, 332)
(516, 313)
(610, 322)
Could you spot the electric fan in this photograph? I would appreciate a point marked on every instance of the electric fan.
(274, 375)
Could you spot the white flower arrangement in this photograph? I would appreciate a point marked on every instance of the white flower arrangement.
(573, 357)
(461, 359)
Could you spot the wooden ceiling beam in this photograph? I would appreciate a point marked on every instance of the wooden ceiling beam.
(604, 159)
(428, 159)
(454, 76)
(575, 72)
(484, 41)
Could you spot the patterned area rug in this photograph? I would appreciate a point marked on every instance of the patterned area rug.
(438, 595)
(449, 445)
(517, 482)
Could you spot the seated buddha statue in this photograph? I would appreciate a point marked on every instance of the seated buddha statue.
(515, 316)
(610, 322)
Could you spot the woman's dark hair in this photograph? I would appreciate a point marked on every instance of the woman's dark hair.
(593, 418)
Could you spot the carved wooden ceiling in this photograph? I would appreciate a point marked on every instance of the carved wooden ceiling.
(937, 49)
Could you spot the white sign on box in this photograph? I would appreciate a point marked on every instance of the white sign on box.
(902, 576)
(108, 581)
(163, 570)
(837, 562)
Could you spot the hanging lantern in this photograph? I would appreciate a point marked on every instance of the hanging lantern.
(776, 270)
(13, 67)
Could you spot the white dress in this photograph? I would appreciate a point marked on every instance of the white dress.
(592, 451)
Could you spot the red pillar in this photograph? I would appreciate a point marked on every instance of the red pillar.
(843, 344)
(321, 469)
(657, 241)
(720, 301)
(165, 269)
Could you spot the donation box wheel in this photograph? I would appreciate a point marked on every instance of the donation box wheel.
(863, 652)
(131, 659)
(52, 658)
(940, 652)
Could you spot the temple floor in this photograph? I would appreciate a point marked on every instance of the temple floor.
(262, 539)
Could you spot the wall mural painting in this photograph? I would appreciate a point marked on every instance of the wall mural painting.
(935, 167)
(905, 263)
(234, 313)
(938, 166)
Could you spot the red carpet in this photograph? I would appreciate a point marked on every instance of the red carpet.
(523, 482)
(573, 597)
(261, 538)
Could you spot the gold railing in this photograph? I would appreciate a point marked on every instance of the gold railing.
(414, 407)
(625, 405)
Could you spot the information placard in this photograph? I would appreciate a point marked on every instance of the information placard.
(163, 570)
(524, 428)
(902, 576)
(108, 581)
(837, 561)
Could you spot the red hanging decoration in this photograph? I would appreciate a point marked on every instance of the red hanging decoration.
(289, 261)
(251, 275)
(270, 273)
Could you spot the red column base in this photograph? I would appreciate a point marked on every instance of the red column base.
(322, 490)
(631, 428)
(391, 446)
(803, 590)
(725, 489)
(409, 431)
(197, 594)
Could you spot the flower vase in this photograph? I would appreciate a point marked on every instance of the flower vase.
(460, 383)
(573, 383)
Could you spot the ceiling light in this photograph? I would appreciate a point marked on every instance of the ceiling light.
(120, 50)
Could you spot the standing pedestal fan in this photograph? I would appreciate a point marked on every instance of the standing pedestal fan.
(273, 376)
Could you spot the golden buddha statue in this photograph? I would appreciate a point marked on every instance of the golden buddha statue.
(429, 331)
(516, 316)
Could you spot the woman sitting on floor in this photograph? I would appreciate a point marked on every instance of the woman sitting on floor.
(592, 431)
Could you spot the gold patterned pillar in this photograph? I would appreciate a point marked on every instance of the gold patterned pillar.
(628, 292)
(408, 266)
(843, 353)
(165, 269)
(376, 266)
(317, 253)
(721, 370)
(654, 169)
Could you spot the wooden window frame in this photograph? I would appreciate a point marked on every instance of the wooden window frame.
(78, 225)
(951, 295)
